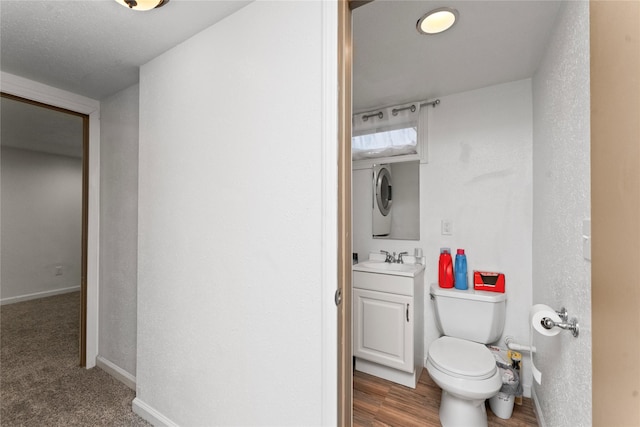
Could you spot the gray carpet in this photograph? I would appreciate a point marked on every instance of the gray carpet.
(40, 381)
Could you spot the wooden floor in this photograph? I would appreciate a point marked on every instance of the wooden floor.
(377, 402)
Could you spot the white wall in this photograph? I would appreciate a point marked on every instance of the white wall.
(119, 230)
(561, 162)
(41, 224)
(479, 176)
(230, 223)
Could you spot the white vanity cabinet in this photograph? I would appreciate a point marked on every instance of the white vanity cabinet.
(388, 324)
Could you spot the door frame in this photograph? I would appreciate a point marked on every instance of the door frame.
(345, 113)
(39, 93)
(82, 345)
(615, 209)
(345, 361)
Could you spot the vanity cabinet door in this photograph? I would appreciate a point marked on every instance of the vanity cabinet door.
(383, 328)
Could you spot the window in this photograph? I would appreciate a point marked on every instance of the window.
(389, 135)
(387, 143)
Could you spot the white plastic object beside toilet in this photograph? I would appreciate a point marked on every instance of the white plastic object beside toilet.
(459, 362)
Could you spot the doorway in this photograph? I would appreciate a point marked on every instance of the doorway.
(438, 110)
(611, 227)
(60, 135)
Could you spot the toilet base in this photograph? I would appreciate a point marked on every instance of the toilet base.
(455, 412)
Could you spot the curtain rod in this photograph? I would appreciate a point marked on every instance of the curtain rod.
(434, 103)
(395, 111)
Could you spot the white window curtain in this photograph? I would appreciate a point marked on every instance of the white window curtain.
(386, 132)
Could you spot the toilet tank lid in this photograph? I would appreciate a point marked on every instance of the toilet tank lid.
(469, 294)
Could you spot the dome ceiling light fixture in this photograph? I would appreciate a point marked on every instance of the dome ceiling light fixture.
(437, 20)
(142, 5)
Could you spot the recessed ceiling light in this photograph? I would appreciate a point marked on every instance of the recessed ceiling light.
(142, 4)
(437, 20)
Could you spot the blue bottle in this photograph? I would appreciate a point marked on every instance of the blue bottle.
(461, 270)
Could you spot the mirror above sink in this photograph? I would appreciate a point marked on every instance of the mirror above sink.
(389, 196)
(403, 213)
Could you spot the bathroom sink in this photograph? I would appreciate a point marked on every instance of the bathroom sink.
(389, 268)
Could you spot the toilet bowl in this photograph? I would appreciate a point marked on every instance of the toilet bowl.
(467, 374)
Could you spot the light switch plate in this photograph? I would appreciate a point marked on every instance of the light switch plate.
(446, 227)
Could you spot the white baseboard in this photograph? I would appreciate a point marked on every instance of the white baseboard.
(44, 294)
(526, 390)
(537, 409)
(117, 372)
(408, 379)
(150, 415)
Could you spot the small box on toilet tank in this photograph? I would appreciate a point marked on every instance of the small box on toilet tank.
(488, 281)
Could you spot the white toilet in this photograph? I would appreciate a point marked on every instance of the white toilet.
(459, 362)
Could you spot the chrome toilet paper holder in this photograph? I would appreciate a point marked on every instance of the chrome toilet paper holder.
(566, 324)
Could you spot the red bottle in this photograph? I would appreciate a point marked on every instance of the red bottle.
(445, 269)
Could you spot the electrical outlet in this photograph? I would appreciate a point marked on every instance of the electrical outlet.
(446, 227)
(58, 270)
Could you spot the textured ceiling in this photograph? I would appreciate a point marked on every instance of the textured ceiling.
(492, 42)
(95, 47)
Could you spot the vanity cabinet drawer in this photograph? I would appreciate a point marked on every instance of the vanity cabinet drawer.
(384, 283)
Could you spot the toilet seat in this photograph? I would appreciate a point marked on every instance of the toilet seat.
(462, 359)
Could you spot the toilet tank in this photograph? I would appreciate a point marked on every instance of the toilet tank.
(471, 315)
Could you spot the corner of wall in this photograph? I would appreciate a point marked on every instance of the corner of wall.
(150, 414)
(117, 372)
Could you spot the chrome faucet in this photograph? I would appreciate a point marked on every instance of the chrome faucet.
(392, 259)
(389, 258)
